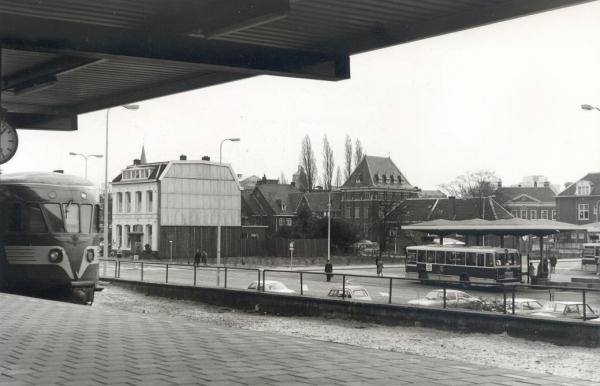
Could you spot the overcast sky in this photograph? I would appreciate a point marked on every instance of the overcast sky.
(503, 97)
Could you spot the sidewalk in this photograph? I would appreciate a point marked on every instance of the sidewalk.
(48, 342)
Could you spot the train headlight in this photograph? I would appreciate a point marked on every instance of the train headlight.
(55, 256)
(90, 255)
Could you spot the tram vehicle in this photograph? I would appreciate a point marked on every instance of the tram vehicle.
(463, 263)
(49, 234)
(590, 257)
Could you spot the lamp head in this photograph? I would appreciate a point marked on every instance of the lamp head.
(587, 107)
(234, 139)
(131, 107)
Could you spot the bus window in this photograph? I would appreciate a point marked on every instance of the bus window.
(86, 218)
(597, 252)
(54, 216)
(97, 214)
(450, 257)
(471, 260)
(439, 257)
(460, 258)
(431, 256)
(421, 256)
(489, 259)
(480, 260)
(71, 212)
(34, 221)
(411, 257)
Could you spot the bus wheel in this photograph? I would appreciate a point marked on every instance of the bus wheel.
(464, 281)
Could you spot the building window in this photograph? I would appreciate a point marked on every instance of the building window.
(515, 213)
(584, 188)
(357, 212)
(366, 212)
(127, 237)
(128, 202)
(149, 234)
(376, 178)
(138, 202)
(553, 215)
(288, 222)
(392, 179)
(533, 214)
(581, 235)
(523, 213)
(347, 212)
(281, 221)
(149, 201)
(384, 178)
(584, 211)
(544, 215)
(118, 236)
(120, 202)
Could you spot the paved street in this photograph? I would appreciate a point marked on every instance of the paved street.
(315, 284)
(48, 342)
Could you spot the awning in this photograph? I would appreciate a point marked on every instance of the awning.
(512, 227)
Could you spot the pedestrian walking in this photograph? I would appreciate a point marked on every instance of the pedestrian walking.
(329, 270)
(197, 257)
(553, 262)
(531, 273)
(204, 257)
(379, 265)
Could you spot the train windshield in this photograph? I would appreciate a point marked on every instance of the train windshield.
(19, 218)
(70, 218)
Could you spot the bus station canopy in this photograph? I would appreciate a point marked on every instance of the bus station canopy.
(61, 58)
(507, 227)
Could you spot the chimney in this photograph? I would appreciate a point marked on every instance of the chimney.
(183, 157)
(546, 184)
(60, 171)
(535, 184)
(452, 201)
(137, 161)
(206, 158)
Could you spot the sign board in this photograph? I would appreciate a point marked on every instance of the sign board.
(429, 267)
(291, 246)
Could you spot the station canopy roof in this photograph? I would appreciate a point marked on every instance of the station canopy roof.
(512, 227)
(61, 58)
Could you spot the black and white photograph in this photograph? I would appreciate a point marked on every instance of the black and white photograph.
(299, 192)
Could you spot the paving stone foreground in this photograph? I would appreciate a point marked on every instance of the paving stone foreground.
(48, 342)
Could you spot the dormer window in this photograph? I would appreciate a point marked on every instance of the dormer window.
(376, 178)
(392, 179)
(584, 188)
(283, 207)
(384, 178)
(399, 179)
(358, 179)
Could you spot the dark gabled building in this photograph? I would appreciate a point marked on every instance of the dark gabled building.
(530, 203)
(374, 187)
(279, 203)
(318, 203)
(579, 204)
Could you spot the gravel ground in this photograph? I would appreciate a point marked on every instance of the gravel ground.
(483, 349)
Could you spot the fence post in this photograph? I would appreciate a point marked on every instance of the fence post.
(504, 295)
(584, 310)
(225, 281)
(258, 285)
(343, 286)
(513, 299)
(390, 299)
(195, 273)
(167, 274)
(119, 269)
(301, 286)
(142, 270)
(264, 275)
(444, 295)
(116, 264)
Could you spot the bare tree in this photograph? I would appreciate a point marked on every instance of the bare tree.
(348, 157)
(480, 183)
(338, 177)
(308, 162)
(359, 152)
(328, 164)
(282, 179)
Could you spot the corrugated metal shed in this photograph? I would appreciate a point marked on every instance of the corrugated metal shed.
(66, 57)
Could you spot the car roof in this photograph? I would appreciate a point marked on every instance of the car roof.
(350, 287)
(524, 300)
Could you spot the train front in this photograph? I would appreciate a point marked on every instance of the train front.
(49, 234)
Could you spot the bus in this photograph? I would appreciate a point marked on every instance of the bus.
(590, 257)
(463, 264)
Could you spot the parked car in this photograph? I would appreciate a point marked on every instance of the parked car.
(365, 248)
(566, 310)
(523, 306)
(454, 299)
(353, 292)
(272, 286)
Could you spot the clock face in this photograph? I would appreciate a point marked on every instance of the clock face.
(8, 142)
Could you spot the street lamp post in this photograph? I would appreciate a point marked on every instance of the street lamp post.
(85, 157)
(105, 251)
(221, 146)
